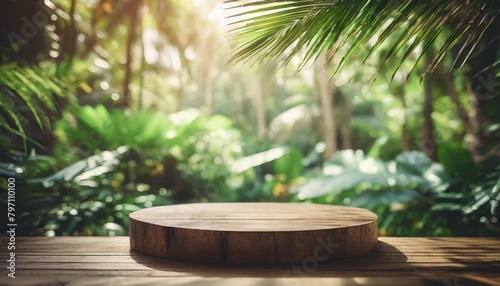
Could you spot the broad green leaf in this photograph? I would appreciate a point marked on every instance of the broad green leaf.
(373, 199)
(94, 165)
(334, 184)
(290, 164)
(258, 159)
(456, 160)
(414, 162)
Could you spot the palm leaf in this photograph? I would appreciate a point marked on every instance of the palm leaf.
(267, 29)
(24, 87)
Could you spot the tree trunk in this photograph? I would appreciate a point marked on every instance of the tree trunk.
(238, 94)
(429, 146)
(208, 91)
(326, 93)
(207, 62)
(347, 124)
(142, 68)
(134, 19)
(453, 94)
(484, 97)
(179, 95)
(259, 105)
(405, 132)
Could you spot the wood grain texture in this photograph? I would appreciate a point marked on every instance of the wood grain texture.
(394, 261)
(253, 233)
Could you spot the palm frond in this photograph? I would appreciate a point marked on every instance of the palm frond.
(270, 29)
(24, 87)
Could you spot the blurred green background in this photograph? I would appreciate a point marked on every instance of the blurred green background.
(111, 106)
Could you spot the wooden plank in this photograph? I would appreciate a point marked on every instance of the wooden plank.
(377, 281)
(91, 241)
(395, 261)
(386, 258)
(265, 273)
(392, 240)
(120, 245)
(367, 266)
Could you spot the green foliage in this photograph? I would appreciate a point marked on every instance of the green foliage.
(267, 175)
(158, 160)
(456, 160)
(352, 169)
(27, 92)
(269, 29)
(105, 163)
(290, 165)
(74, 200)
(411, 194)
(100, 129)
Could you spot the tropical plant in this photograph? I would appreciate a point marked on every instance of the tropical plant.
(349, 33)
(270, 173)
(158, 160)
(44, 43)
(28, 93)
(71, 200)
(411, 194)
(273, 28)
(31, 91)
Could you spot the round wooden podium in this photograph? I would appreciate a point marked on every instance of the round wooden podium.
(253, 233)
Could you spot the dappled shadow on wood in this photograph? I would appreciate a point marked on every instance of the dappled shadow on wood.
(385, 265)
(362, 266)
(395, 261)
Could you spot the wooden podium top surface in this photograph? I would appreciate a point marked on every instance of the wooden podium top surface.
(255, 217)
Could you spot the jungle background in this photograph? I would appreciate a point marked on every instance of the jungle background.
(111, 106)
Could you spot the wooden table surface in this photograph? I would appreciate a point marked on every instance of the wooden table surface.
(395, 261)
